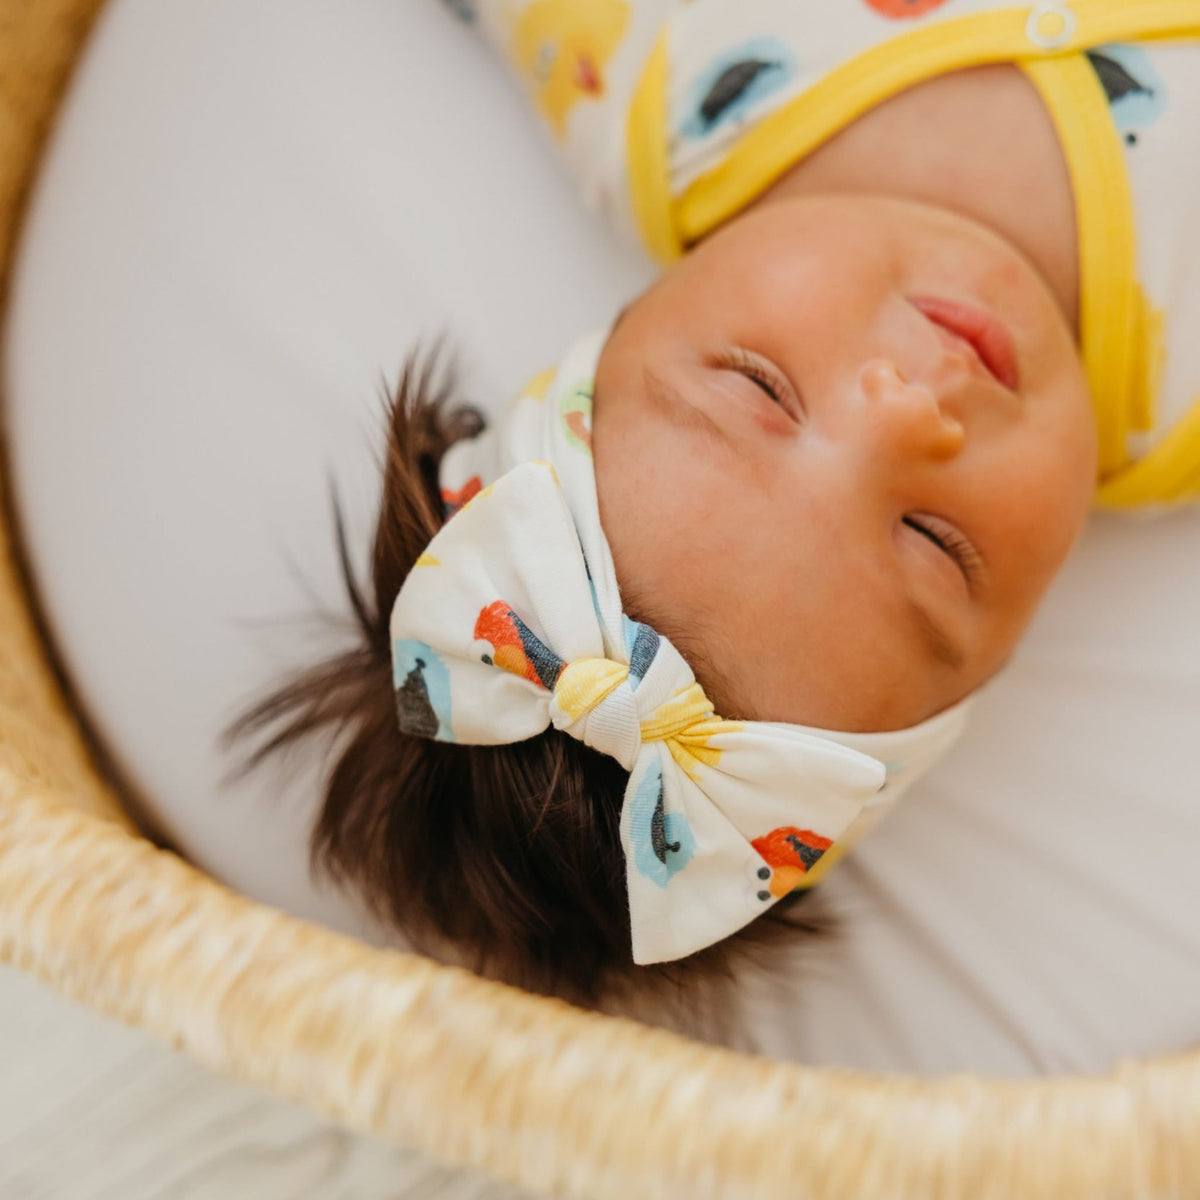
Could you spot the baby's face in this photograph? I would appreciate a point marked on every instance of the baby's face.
(796, 541)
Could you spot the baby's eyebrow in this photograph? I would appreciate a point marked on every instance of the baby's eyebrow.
(933, 633)
(671, 403)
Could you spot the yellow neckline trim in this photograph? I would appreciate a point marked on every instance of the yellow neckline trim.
(646, 157)
(787, 135)
(795, 130)
(1169, 474)
(1108, 298)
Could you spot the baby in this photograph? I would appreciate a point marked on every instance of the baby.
(639, 663)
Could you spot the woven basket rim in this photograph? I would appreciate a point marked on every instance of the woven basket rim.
(477, 1073)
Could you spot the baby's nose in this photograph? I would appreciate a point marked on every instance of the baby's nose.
(908, 416)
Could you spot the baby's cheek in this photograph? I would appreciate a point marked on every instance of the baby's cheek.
(1069, 452)
(645, 513)
(1012, 277)
(1041, 525)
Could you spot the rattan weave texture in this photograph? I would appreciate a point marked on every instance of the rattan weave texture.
(526, 1088)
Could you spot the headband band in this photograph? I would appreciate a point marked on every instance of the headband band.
(511, 622)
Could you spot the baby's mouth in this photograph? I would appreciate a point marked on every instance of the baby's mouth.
(981, 330)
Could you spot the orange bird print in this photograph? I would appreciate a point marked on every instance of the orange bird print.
(515, 647)
(790, 853)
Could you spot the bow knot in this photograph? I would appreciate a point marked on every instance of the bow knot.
(686, 724)
(593, 701)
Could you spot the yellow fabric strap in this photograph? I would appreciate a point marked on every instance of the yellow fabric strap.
(1122, 332)
(646, 157)
(1109, 299)
(1168, 474)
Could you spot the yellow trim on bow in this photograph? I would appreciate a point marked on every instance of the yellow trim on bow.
(541, 462)
(586, 682)
(687, 724)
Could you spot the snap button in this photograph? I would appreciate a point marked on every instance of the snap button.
(758, 879)
(1051, 25)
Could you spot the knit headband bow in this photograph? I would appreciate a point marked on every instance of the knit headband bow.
(511, 622)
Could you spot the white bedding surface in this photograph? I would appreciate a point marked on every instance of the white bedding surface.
(248, 214)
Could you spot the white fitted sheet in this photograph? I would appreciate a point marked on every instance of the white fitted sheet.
(248, 213)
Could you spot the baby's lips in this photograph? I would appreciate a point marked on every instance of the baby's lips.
(981, 329)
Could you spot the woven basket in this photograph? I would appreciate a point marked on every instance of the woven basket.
(478, 1074)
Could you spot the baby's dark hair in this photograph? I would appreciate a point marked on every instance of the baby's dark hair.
(506, 859)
